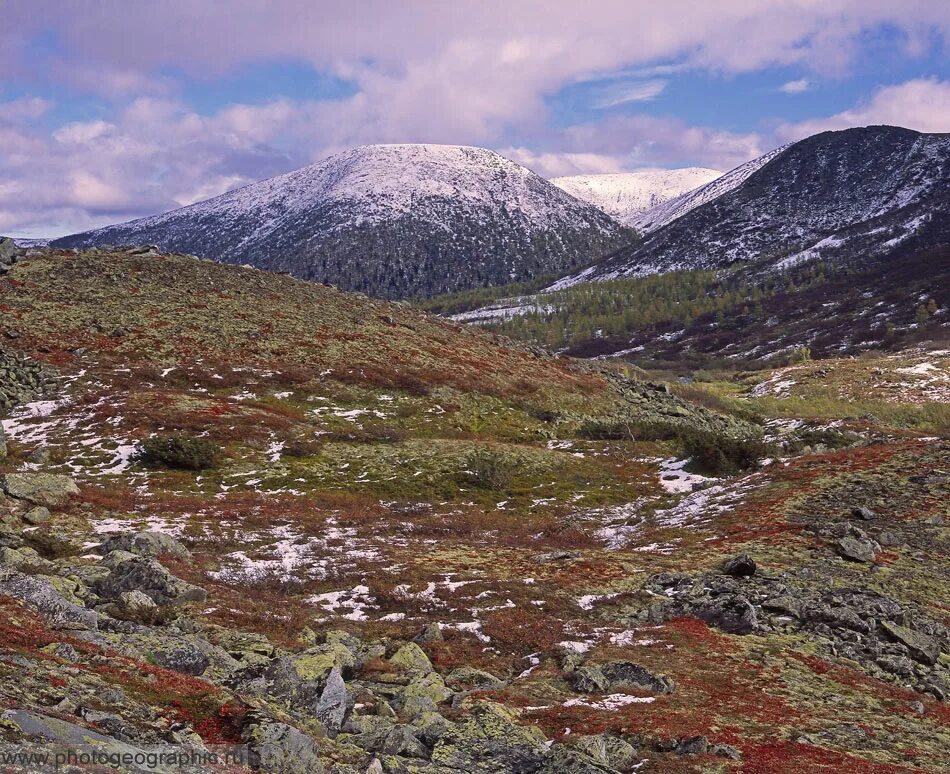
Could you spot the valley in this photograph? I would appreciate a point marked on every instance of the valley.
(380, 540)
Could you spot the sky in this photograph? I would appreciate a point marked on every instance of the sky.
(111, 110)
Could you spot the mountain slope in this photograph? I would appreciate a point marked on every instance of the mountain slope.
(627, 195)
(859, 194)
(390, 220)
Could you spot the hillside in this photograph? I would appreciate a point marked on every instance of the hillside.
(341, 535)
(858, 196)
(626, 196)
(388, 220)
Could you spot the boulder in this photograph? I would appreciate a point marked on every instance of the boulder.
(136, 605)
(731, 613)
(855, 549)
(863, 513)
(37, 515)
(465, 677)
(180, 657)
(609, 750)
(490, 740)
(335, 703)
(48, 489)
(411, 658)
(152, 579)
(569, 760)
(281, 748)
(40, 595)
(740, 566)
(151, 544)
(423, 694)
(921, 647)
(620, 674)
(588, 679)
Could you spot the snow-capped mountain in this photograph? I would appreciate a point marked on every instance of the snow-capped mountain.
(857, 195)
(626, 195)
(390, 220)
(676, 206)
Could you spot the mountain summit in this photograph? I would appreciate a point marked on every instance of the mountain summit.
(390, 220)
(856, 195)
(627, 195)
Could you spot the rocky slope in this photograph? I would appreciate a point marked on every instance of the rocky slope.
(389, 220)
(859, 195)
(627, 196)
(415, 547)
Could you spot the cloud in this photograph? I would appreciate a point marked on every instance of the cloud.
(471, 71)
(795, 87)
(624, 93)
(556, 164)
(922, 104)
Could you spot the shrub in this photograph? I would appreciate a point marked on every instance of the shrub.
(488, 469)
(723, 454)
(181, 451)
(800, 355)
(826, 438)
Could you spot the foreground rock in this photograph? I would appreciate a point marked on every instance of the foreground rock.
(47, 489)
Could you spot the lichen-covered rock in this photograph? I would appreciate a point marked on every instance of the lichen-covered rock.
(622, 674)
(281, 748)
(569, 760)
(423, 694)
(465, 677)
(855, 549)
(151, 578)
(411, 658)
(335, 703)
(37, 516)
(151, 544)
(921, 647)
(48, 489)
(490, 740)
(40, 595)
(609, 750)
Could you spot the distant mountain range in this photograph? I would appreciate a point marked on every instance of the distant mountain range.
(389, 220)
(626, 196)
(857, 195)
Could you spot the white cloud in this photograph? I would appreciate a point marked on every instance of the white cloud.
(922, 104)
(795, 87)
(560, 164)
(624, 93)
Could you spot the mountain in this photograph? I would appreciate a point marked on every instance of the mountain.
(389, 220)
(862, 194)
(627, 195)
(660, 214)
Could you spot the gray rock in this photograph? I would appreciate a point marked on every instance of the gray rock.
(402, 740)
(37, 516)
(863, 513)
(470, 678)
(150, 544)
(608, 750)
(151, 578)
(569, 760)
(921, 647)
(280, 748)
(588, 679)
(625, 673)
(66, 734)
(49, 489)
(335, 703)
(184, 657)
(855, 549)
(136, 605)
(40, 595)
(692, 745)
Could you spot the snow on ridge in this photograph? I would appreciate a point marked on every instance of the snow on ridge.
(379, 182)
(625, 195)
(670, 210)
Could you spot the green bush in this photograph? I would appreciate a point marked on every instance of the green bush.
(488, 469)
(821, 439)
(181, 451)
(723, 454)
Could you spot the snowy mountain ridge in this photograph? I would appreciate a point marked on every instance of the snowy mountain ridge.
(392, 219)
(854, 195)
(627, 195)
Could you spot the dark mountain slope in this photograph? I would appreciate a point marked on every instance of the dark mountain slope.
(859, 193)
